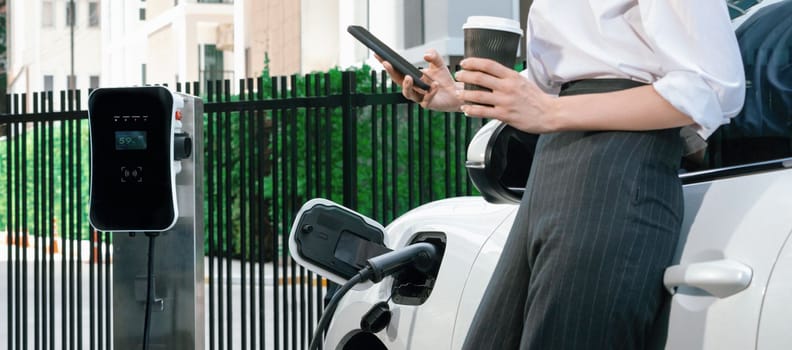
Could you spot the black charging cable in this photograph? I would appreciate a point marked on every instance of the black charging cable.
(327, 315)
(421, 256)
(149, 289)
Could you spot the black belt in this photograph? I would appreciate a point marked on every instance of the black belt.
(591, 86)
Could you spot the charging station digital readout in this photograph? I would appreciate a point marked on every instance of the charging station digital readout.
(130, 140)
(132, 186)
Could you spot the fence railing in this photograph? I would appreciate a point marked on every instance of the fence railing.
(349, 137)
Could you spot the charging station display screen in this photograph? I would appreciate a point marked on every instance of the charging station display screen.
(130, 140)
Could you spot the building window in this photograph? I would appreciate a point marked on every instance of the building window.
(71, 82)
(48, 83)
(142, 13)
(414, 23)
(93, 14)
(70, 8)
(47, 14)
(212, 64)
(94, 84)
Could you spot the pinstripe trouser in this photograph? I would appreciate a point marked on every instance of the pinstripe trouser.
(583, 265)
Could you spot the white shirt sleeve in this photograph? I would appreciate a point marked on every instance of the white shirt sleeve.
(702, 73)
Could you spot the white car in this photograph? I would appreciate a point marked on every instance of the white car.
(731, 280)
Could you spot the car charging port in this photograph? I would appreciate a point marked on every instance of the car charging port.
(412, 286)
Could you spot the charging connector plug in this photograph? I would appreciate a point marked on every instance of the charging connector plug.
(422, 256)
(419, 255)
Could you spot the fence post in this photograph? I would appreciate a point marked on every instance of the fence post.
(3, 100)
(349, 136)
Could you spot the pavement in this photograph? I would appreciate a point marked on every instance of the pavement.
(67, 311)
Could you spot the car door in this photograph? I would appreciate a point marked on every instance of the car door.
(730, 278)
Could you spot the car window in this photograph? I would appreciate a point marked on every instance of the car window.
(738, 8)
(763, 129)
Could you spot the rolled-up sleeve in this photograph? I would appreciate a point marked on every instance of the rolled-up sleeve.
(702, 69)
(535, 71)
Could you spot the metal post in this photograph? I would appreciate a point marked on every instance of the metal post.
(349, 126)
(177, 320)
(72, 18)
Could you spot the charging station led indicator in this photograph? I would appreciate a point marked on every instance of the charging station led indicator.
(130, 140)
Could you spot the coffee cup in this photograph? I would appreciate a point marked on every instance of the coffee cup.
(495, 38)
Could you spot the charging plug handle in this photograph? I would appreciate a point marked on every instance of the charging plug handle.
(419, 255)
(182, 146)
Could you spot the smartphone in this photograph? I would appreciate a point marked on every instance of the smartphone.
(398, 62)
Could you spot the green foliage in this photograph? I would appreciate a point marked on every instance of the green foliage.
(403, 157)
(379, 192)
(71, 189)
(388, 161)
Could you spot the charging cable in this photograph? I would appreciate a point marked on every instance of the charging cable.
(149, 288)
(421, 256)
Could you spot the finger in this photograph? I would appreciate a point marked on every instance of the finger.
(433, 89)
(433, 58)
(420, 90)
(408, 90)
(478, 97)
(487, 66)
(478, 78)
(479, 111)
(396, 76)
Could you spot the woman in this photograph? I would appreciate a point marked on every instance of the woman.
(609, 84)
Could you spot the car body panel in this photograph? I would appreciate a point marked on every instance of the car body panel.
(468, 223)
(776, 314)
(735, 219)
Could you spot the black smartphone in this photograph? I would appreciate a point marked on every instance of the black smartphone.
(398, 62)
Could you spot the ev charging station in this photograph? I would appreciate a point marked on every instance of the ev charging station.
(147, 186)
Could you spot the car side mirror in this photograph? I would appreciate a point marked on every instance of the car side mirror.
(499, 160)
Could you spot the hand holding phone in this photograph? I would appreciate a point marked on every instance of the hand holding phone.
(397, 61)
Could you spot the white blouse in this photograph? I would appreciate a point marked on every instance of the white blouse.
(685, 48)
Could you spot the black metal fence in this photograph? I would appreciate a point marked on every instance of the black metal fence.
(348, 137)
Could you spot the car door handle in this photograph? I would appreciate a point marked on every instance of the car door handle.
(720, 278)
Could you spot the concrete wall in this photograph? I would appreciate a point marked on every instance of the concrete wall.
(155, 8)
(161, 68)
(320, 45)
(187, 26)
(123, 42)
(443, 24)
(274, 29)
(386, 21)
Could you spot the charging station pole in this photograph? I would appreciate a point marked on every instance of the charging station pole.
(177, 318)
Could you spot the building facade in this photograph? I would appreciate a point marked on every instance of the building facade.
(438, 24)
(132, 42)
(43, 55)
(409, 26)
